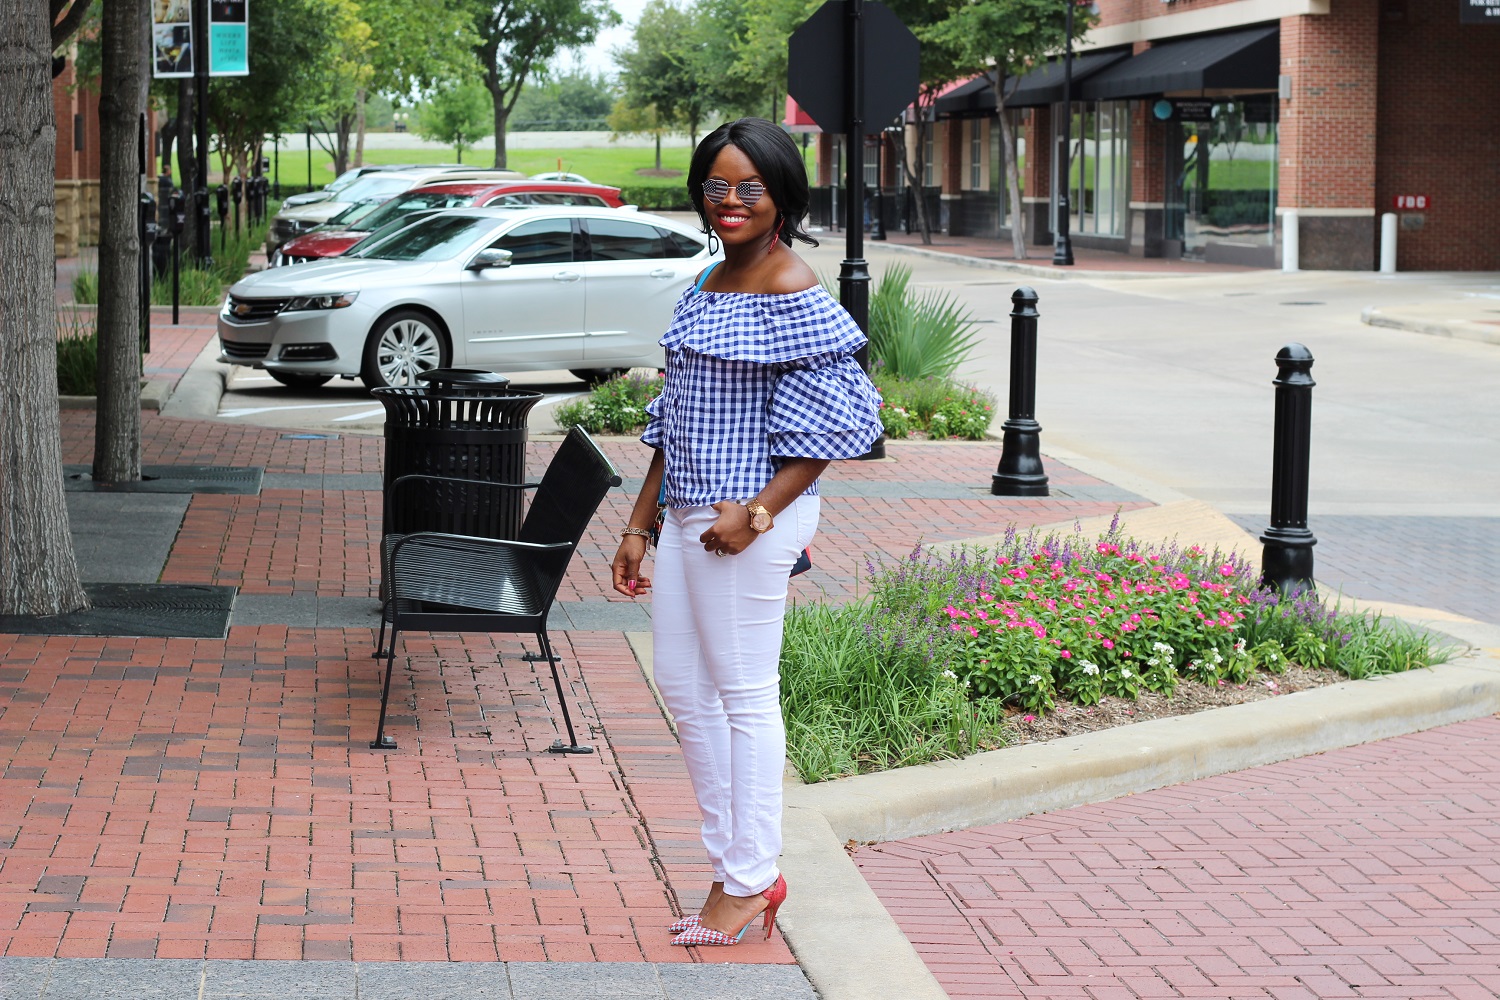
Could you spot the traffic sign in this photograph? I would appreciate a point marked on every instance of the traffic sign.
(819, 74)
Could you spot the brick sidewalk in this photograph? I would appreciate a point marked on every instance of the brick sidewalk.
(216, 799)
(1365, 872)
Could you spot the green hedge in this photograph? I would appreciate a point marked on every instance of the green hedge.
(651, 198)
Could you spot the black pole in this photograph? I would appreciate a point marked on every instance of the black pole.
(1062, 250)
(176, 274)
(1287, 560)
(854, 273)
(276, 160)
(309, 156)
(203, 238)
(877, 225)
(146, 223)
(1020, 473)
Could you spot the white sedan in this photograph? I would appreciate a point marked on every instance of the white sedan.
(534, 289)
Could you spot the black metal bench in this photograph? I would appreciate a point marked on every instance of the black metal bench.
(442, 582)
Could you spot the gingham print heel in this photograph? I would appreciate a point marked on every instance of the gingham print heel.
(699, 935)
(686, 923)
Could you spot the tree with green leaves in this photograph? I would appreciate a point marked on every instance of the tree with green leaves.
(516, 38)
(628, 119)
(38, 571)
(563, 102)
(1009, 37)
(663, 67)
(458, 115)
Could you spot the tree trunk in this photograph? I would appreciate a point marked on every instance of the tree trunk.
(913, 169)
(185, 156)
(502, 117)
(359, 127)
(168, 137)
(1012, 180)
(341, 150)
(658, 150)
(122, 101)
(38, 572)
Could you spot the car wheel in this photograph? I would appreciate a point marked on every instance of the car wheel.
(297, 380)
(402, 346)
(594, 376)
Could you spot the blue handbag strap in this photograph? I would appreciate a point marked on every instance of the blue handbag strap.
(704, 276)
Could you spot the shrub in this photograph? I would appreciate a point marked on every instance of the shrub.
(1046, 618)
(917, 335)
(935, 406)
(86, 287)
(617, 406)
(77, 355)
(658, 197)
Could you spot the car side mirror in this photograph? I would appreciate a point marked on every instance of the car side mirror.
(490, 257)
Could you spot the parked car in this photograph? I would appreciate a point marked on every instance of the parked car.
(559, 175)
(589, 290)
(373, 188)
(338, 184)
(358, 221)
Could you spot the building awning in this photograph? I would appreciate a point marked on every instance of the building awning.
(1038, 88)
(1237, 60)
(796, 119)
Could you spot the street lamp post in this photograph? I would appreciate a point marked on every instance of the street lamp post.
(1062, 249)
(308, 126)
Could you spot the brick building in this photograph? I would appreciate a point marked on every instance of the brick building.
(1198, 125)
(77, 172)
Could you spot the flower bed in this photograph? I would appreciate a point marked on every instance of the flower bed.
(947, 647)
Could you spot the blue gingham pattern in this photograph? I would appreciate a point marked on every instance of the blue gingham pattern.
(753, 379)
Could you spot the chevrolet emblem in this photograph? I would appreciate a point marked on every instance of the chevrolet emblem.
(242, 309)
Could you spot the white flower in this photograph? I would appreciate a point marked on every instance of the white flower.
(1162, 647)
(1239, 646)
(1036, 678)
(950, 675)
(1090, 668)
(1125, 673)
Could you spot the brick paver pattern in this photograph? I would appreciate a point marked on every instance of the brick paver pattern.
(1372, 871)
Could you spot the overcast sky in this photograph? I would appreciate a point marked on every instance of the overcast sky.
(596, 57)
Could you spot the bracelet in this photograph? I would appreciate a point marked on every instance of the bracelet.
(644, 533)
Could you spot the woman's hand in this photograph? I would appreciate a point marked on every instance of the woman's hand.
(731, 534)
(626, 568)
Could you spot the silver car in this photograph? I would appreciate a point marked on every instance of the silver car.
(590, 290)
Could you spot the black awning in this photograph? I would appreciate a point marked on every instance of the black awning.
(1237, 60)
(1038, 88)
(1044, 85)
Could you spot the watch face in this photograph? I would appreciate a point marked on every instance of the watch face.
(760, 521)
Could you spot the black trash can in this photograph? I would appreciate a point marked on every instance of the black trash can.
(463, 424)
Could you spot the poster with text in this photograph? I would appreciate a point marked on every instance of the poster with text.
(229, 38)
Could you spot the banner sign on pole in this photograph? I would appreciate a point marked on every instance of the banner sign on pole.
(1479, 12)
(229, 38)
(172, 38)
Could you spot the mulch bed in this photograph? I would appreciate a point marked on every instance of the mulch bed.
(1070, 720)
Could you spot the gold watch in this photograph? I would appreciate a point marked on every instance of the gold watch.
(760, 518)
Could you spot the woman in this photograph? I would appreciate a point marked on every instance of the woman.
(762, 391)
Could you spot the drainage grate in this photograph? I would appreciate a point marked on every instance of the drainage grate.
(236, 480)
(159, 610)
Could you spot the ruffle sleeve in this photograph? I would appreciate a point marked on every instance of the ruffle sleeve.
(823, 407)
(655, 434)
(763, 328)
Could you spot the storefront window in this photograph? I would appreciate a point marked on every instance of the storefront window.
(1221, 176)
(976, 154)
(1099, 178)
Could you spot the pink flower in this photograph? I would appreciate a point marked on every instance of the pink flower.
(1066, 655)
(1028, 718)
(1109, 644)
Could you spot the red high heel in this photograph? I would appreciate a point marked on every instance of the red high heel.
(775, 896)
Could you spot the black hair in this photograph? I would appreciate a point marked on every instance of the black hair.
(778, 161)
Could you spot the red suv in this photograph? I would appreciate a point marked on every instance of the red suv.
(356, 222)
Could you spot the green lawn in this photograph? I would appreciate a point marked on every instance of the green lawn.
(617, 166)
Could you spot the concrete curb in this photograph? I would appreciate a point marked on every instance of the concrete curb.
(1456, 328)
(154, 395)
(201, 387)
(1030, 270)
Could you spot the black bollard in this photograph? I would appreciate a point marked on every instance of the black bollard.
(1287, 561)
(1020, 473)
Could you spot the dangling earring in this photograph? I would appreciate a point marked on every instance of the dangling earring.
(776, 236)
(713, 242)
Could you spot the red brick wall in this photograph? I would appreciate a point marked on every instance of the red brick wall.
(1037, 182)
(1112, 12)
(1148, 155)
(1440, 134)
(1327, 131)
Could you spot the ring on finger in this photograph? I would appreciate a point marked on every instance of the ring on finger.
(721, 553)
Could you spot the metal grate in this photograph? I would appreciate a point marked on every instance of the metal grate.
(137, 609)
(224, 479)
(252, 310)
(243, 351)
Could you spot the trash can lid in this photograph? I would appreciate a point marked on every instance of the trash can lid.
(464, 378)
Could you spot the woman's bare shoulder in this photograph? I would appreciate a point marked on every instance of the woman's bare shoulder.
(793, 276)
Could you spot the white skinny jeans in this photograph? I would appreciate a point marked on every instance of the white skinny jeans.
(717, 624)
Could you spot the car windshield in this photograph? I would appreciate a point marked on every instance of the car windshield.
(373, 218)
(346, 178)
(374, 187)
(437, 238)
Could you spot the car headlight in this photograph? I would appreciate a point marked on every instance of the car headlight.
(321, 302)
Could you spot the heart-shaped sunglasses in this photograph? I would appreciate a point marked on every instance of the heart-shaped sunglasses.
(715, 190)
